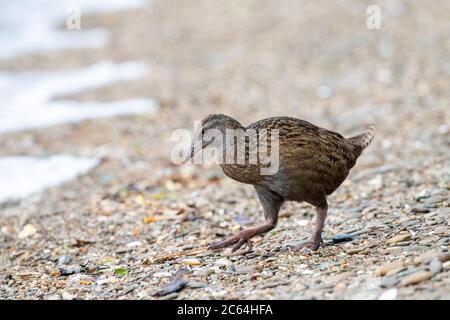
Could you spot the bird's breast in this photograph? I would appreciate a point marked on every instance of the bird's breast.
(245, 173)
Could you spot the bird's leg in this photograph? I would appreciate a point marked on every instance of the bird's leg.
(243, 237)
(271, 204)
(314, 242)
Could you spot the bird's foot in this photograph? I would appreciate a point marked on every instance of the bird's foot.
(312, 245)
(236, 241)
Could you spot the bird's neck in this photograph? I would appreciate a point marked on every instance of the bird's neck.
(231, 124)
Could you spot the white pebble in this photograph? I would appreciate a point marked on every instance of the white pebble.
(390, 294)
(302, 223)
(27, 231)
(223, 262)
(134, 244)
(162, 274)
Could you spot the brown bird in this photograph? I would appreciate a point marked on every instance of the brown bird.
(312, 162)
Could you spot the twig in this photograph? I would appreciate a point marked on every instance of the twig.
(175, 255)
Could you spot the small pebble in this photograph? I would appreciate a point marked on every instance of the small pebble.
(390, 294)
(134, 244)
(70, 270)
(420, 209)
(170, 296)
(435, 199)
(443, 211)
(342, 237)
(403, 243)
(385, 268)
(355, 250)
(243, 269)
(64, 260)
(388, 282)
(204, 272)
(416, 278)
(398, 238)
(162, 274)
(191, 262)
(428, 256)
(444, 257)
(441, 230)
(196, 285)
(223, 262)
(27, 231)
(435, 266)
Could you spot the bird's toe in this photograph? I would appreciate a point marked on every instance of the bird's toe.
(236, 241)
(223, 244)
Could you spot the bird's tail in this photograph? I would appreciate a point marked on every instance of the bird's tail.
(362, 140)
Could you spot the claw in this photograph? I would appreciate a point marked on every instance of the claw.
(225, 243)
(238, 244)
(236, 241)
(249, 243)
(216, 245)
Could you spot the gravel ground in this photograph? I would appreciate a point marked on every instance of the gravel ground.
(102, 236)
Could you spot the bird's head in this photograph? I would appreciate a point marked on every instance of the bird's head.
(211, 127)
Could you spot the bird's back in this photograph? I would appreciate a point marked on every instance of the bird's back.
(312, 160)
(300, 140)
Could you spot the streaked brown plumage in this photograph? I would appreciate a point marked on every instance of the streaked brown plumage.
(313, 162)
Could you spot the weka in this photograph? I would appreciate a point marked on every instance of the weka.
(313, 162)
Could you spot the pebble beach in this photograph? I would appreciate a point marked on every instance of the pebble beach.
(118, 219)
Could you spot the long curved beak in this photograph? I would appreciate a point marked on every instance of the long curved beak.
(196, 146)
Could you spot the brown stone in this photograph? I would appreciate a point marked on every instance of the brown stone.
(398, 238)
(416, 278)
(385, 268)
